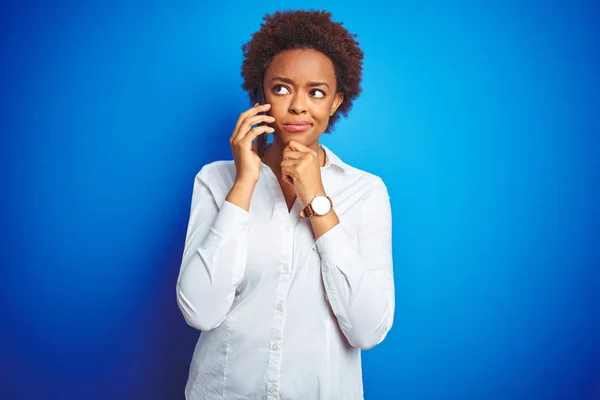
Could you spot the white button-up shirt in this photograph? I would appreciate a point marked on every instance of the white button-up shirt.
(284, 316)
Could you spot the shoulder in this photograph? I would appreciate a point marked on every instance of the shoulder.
(216, 168)
(217, 174)
(375, 201)
(366, 176)
(367, 181)
(353, 176)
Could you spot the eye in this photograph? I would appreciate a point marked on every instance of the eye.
(319, 94)
(278, 89)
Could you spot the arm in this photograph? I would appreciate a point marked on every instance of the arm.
(214, 256)
(358, 277)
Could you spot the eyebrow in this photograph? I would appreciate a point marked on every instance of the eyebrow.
(291, 81)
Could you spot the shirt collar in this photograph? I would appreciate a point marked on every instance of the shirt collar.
(332, 159)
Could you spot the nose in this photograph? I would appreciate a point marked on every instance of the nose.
(298, 104)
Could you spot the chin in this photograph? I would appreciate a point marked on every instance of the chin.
(306, 138)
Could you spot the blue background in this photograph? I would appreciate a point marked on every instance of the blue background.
(481, 117)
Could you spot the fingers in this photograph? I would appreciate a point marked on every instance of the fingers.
(293, 159)
(297, 146)
(288, 164)
(287, 173)
(249, 122)
(296, 150)
(246, 140)
(289, 170)
(245, 128)
(249, 113)
(287, 179)
(289, 154)
(246, 125)
(293, 155)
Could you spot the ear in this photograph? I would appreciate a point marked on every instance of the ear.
(337, 101)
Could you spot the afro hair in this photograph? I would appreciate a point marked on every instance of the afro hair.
(305, 29)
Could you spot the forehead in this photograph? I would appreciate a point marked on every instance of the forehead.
(302, 65)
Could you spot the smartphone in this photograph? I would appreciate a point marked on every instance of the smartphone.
(262, 138)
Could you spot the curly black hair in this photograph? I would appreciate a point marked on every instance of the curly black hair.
(305, 29)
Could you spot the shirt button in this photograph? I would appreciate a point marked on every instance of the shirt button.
(272, 389)
(274, 347)
(286, 267)
(287, 228)
(280, 306)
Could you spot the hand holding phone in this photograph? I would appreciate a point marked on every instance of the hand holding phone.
(251, 124)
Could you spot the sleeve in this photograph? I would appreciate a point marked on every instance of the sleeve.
(358, 277)
(214, 257)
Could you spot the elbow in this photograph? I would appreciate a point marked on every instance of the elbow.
(200, 321)
(200, 324)
(365, 342)
(367, 337)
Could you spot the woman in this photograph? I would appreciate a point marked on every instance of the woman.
(287, 266)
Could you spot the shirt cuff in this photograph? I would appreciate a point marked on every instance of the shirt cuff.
(231, 220)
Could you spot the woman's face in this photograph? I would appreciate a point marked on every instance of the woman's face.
(300, 85)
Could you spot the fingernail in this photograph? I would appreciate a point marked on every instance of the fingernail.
(255, 105)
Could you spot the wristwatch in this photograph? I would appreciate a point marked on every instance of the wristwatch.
(319, 205)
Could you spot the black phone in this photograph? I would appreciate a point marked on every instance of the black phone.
(262, 138)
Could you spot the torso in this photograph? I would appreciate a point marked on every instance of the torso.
(238, 359)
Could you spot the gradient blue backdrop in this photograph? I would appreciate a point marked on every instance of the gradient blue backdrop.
(481, 117)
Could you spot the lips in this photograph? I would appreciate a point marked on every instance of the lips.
(299, 126)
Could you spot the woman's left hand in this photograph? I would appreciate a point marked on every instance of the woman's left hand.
(301, 167)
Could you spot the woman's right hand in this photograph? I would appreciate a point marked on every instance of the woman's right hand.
(245, 155)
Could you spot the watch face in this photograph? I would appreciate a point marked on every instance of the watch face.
(321, 205)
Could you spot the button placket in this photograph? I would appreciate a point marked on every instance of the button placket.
(281, 293)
